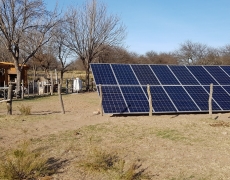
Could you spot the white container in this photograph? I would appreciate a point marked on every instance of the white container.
(77, 85)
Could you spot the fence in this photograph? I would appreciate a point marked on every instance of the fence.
(8, 100)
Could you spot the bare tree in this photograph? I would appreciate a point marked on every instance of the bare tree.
(191, 53)
(24, 28)
(225, 54)
(63, 54)
(89, 30)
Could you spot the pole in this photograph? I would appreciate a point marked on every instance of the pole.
(210, 100)
(150, 101)
(101, 107)
(9, 102)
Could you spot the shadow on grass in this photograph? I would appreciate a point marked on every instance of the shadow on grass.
(55, 165)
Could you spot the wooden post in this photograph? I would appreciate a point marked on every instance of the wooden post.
(101, 107)
(22, 89)
(56, 76)
(150, 101)
(67, 85)
(4, 91)
(28, 89)
(52, 85)
(210, 101)
(60, 98)
(9, 102)
(33, 87)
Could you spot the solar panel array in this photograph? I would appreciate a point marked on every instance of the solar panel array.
(174, 88)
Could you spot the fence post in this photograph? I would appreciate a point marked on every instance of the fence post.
(101, 107)
(150, 101)
(52, 85)
(22, 89)
(67, 85)
(28, 88)
(9, 102)
(210, 101)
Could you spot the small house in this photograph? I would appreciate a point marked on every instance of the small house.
(8, 74)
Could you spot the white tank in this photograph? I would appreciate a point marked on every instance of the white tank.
(77, 85)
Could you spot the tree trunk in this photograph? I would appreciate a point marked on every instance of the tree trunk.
(87, 78)
(18, 83)
(60, 97)
(59, 93)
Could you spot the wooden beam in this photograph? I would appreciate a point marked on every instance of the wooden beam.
(210, 100)
(9, 102)
(101, 96)
(150, 101)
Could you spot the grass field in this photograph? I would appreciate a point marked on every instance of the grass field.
(81, 145)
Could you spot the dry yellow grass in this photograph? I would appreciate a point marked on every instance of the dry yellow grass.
(188, 146)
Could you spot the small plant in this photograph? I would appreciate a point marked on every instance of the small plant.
(24, 110)
(23, 163)
(99, 161)
(113, 166)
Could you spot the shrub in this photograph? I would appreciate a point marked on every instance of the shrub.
(22, 163)
(24, 110)
(110, 163)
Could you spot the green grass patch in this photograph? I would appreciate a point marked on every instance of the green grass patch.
(170, 134)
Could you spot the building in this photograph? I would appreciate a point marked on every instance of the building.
(8, 74)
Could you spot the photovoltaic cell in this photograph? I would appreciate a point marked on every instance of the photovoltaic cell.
(145, 75)
(103, 74)
(226, 69)
(160, 100)
(183, 75)
(135, 99)
(220, 96)
(124, 74)
(227, 88)
(202, 75)
(201, 97)
(218, 74)
(112, 100)
(181, 99)
(164, 75)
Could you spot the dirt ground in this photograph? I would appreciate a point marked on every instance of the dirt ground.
(184, 146)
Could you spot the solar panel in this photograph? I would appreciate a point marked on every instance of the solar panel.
(183, 75)
(124, 74)
(221, 77)
(202, 75)
(174, 88)
(145, 75)
(164, 75)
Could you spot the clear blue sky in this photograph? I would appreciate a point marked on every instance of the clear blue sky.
(162, 25)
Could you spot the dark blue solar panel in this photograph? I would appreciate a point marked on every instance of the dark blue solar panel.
(201, 97)
(135, 99)
(227, 88)
(183, 75)
(181, 99)
(112, 100)
(145, 75)
(123, 87)
(124, 74)
(164, 75)
(220, 96)
(218, 74)
(103, 74)
(160, 100)
(226, 69)
(201, 75)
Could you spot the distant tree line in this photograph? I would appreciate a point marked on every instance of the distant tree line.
(71, 40)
